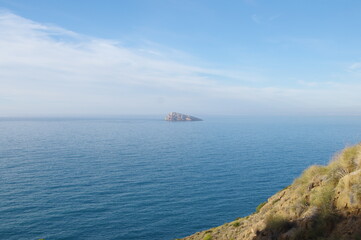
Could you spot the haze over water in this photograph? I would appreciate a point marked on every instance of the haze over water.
(143, 178)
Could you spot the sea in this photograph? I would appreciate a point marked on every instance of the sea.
(143, 178)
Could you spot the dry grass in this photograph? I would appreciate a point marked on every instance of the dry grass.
(319, 182)
(347, 161)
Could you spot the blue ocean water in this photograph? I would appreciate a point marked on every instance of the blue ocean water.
(137, 178)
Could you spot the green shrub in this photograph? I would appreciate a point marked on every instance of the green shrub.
(321, 227)
(235, 224)
(207, 237)
(258, 208)
(277, 223)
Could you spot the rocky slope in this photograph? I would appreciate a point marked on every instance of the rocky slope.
(323, 203)
(173, 116)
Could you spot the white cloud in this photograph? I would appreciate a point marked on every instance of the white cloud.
(257, 19)
(274, 17)
(355, 66)
(47, 70)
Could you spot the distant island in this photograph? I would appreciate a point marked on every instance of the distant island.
(323, 203)
(174, 116)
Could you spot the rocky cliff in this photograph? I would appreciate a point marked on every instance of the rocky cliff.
(323, 203)
(173, 116)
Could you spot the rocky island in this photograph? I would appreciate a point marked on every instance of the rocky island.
(323, 203)
(174, 116)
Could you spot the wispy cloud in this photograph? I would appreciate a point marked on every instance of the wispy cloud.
(264, 19)
(355, 66)
(257, 19)
(274, 17)
(48, 70)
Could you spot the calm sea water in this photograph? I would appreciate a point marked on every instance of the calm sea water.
(144, 178)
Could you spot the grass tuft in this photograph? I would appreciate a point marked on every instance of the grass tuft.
(235, 224)
(277, 223)
(258, 208)
(208, 237)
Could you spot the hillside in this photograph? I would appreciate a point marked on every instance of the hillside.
(323, 203)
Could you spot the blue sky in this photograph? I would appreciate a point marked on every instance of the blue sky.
(251, 57)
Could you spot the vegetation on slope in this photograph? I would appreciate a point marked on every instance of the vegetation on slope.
(323, 203)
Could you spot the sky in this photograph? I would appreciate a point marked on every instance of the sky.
(244, 57)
